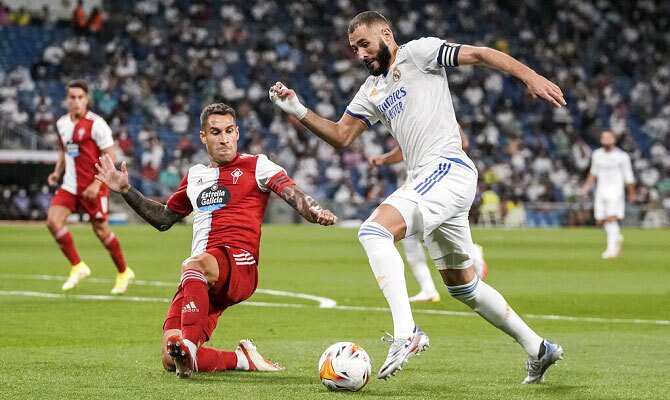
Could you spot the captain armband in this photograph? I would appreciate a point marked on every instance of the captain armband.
(448, 55)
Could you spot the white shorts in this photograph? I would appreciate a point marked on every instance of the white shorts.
(436, 205)
(609, 206)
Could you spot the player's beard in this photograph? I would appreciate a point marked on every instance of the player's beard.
(383, 58)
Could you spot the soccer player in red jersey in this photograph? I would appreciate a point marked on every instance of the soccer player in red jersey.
(228, 198)
(83, 137)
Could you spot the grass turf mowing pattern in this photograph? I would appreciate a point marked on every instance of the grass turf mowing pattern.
(81, 349)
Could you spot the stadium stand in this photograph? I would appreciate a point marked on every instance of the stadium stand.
(155, 63)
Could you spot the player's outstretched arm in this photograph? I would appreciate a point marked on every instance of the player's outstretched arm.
(307, 206)
(158, 215)
(338, 134)
(538, 85)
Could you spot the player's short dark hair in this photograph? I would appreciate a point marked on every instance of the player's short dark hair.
(367, 18)
(77, 83)
(215, 109)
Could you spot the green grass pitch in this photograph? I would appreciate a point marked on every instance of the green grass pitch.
(616, 333)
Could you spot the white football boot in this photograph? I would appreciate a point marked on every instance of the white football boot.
(423, 296)
(548, 355)
(256, 362)
(402, 349)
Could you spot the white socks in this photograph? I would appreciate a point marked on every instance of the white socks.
(389, 270)
(416, 258)
(613, 232)
(487, 302)
(242, 362)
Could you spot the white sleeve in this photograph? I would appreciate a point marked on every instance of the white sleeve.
(265, 170)
(362, 109)
(431, 53)
(628, 177)
(102, 134)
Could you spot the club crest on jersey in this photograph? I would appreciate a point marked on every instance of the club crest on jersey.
(396, 74)
(81, 132)
(213, 198)
(236, 175)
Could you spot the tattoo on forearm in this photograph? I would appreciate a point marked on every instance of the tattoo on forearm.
(155, 213)
(299, 200)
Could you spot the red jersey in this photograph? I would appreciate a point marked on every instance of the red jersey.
(82, 143)
(229, 201)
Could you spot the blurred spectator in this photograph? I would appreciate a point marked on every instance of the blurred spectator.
(79, 19)
(95, 21)
(4, 16)
(21, 203)
(20, 17)
(169, 177)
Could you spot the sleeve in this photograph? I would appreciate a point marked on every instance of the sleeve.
(102, 134)
(431, 53)
(179, 201)
(270, 176)
(362, 109)
(628, 177)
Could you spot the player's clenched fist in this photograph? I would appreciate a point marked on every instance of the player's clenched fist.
(322, 216)
(287, 100)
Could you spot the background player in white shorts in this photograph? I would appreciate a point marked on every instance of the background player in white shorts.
(414, 252)
(611, 170)
(409, 93)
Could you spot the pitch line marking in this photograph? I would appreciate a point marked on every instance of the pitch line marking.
(324, 302)
(348, 308)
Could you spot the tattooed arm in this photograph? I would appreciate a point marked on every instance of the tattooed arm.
(307, 206)
(158, 215)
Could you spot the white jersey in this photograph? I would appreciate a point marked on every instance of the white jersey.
(414, 102)
(612, 170)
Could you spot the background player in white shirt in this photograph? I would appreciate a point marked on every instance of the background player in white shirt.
(409, 93)
(611, 170)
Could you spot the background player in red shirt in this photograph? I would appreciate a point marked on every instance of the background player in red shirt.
(83, 137)
(228, 198)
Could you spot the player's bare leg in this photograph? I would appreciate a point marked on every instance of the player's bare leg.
(465, 286)
(125, 275)
(56, 217)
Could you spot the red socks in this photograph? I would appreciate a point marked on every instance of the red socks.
(210, 360)
(64, 240)
(114, 247)
(195, 310)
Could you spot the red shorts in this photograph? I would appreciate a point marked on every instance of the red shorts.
(96, 209)
(238, 279)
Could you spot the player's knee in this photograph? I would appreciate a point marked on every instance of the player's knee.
(372, 231)
(193, 264)
(53, 225)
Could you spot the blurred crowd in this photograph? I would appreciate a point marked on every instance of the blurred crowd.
(153, 64)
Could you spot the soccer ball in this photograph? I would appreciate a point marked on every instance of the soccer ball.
(344, 366)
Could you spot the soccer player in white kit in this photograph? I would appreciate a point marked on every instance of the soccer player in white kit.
(611, 170)
(408, 92)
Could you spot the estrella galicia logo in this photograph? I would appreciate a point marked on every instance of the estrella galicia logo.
(213, 198)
